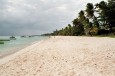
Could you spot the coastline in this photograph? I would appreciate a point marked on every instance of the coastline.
(9, 56)
(12, 51)
(60, 56)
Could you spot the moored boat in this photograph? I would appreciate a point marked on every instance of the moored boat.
(12, 38)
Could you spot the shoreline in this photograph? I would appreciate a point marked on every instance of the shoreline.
(10, 52)
(9, 56)
(63, 55)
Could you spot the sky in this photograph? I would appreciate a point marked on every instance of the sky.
(35, 17)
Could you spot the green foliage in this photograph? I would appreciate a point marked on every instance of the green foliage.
(87, 22)
(1, 42)
(4, 40)
(90, 10)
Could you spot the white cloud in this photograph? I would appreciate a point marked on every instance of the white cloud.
(10, 9)
(62, 8)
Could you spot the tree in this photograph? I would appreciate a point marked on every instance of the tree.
(111, 13)
(82, 17)
(106, 12)
(75, 22)
(91, 23)
(90, 14)
(102, 11)
(90, 10)
(78, 28)
(70, 30)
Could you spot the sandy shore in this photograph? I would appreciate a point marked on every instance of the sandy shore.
(63, 56)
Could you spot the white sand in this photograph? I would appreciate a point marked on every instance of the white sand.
(63, 56)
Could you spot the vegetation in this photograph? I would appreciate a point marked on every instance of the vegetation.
(98, 19)
(4, 40)
(1, 42)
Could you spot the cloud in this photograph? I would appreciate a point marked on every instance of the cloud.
(20, 17)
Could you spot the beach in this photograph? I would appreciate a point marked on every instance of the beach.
(63, 56)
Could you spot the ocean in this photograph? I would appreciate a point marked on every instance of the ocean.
(12, 46)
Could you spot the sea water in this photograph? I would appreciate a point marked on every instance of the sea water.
(14, 45)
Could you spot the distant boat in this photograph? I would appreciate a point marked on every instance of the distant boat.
(12, 38)
(29, 36)
(23, 36)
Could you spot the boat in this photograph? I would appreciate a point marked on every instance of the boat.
(12, 38)
(23, 36)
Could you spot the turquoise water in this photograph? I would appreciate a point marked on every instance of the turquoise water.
(19, 43)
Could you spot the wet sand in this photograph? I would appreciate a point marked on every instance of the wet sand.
(63, 56)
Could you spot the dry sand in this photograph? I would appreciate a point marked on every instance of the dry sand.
(63, 56)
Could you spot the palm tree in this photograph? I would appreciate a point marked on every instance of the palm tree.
(90, 10)
(90, 13)
(78, 27)
(84, 21)
(75, 22)
(69, 29)
(82, 17)
(102, 10)
(110, 13)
